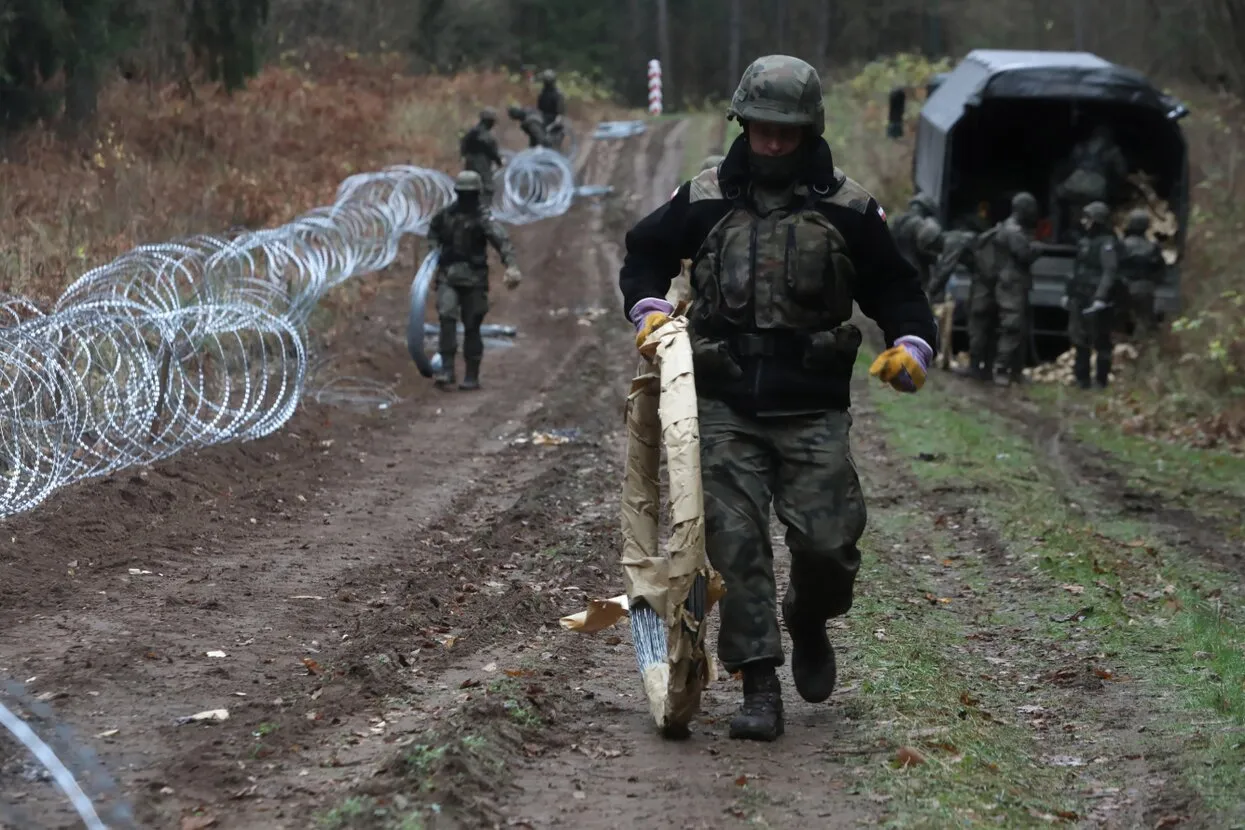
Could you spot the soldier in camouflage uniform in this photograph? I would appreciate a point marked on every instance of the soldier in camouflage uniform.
(551, 104)
(1090, 293)
(918, 236)
(1142, 268)
(480, 152)
(1014, 252)
(463, 231)
(532, 126)
(1099, 171)
(957, 251)
(782, 243)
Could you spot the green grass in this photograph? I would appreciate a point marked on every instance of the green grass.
(702, 130)
(1162, 618)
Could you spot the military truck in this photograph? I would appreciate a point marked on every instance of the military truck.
(1005, 121)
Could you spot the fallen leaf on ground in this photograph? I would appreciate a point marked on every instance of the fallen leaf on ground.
(741, 781)
(968, 700)
(908, 757)
(1074, 589)
(312, 666)
(1105, 674)
(198, 822)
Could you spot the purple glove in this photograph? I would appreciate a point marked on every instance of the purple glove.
(921, 353)
(648, 306)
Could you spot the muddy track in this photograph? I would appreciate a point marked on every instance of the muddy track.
(332, 562)
(1081, 466)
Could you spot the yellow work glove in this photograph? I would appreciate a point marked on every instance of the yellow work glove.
(903, 365)
(652, 322)
(513, 277)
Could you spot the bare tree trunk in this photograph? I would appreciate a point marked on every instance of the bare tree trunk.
(780, 12)
(734, 39)
(636, 74)
(822, 49)
(663, 50)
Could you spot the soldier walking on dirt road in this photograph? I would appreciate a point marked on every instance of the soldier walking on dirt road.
(1089, 295)
(782, 243)
(480, 152)
(463, 231)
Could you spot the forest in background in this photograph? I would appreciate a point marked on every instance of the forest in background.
(55, 54)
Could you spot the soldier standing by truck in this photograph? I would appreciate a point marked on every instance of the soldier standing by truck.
(1089, 295)
(1141, 267)
(918, 235)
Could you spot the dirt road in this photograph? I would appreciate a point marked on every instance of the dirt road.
(385, 587)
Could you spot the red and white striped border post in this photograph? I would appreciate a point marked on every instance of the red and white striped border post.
(654, 87)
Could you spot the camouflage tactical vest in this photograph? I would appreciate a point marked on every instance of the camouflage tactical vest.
(1141, 262)
(464, 248)
(1088, 268)
(786, 271)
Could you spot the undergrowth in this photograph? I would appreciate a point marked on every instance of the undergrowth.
(167, 161)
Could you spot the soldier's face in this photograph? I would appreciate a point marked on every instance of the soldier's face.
(767, 139)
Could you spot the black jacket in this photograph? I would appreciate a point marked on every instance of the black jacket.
(887, 287)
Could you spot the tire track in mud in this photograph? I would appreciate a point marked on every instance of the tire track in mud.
(1082, 468)
(328, 561)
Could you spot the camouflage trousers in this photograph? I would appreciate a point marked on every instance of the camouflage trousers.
(461, 304)
(1012, 298)
(802, 465)
(983, 322)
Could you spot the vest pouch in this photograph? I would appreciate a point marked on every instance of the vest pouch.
(736, 257)
(807, 257)
(461, 275)
(712, 361)
(832, 352)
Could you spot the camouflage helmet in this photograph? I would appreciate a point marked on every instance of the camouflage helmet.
(1138, 222)
(468, 181)
(1025, 207)
(488, 115)
(922, 202)
(1097, 213)
(516, 112)
(780, 89)
(710, 162)
(548, 76)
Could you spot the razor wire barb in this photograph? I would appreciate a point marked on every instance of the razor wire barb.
(204, 341)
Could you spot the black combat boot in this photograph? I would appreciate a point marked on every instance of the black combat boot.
(472, 378)
(812, 656)
(1103, 373)
(445, 378)
(1080, 368)
(760, 716)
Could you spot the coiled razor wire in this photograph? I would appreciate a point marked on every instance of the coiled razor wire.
(204, 341)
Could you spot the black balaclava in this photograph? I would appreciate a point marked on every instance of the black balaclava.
(469, 200)
(778, 171)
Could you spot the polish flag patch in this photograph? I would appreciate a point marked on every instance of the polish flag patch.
(881, 213)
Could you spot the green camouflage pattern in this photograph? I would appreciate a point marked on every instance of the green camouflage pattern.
(957, 250)
(983, 320)
(922, 204)
(532, 124)
(468, 181)
(468, 306)
(1138, 222)
(711, 162)
(481, 154)
(780, 89)
(1097, 213)
(804, 466)
(1025, 209)
(919, 238)
(1014, 254)
(787, 270)
(464, 237)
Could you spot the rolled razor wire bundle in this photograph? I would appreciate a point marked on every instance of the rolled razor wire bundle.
(75, 769)
(204, 341)
(535, 184)
(670, 592)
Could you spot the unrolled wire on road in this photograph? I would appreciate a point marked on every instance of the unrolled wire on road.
(204, 341)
